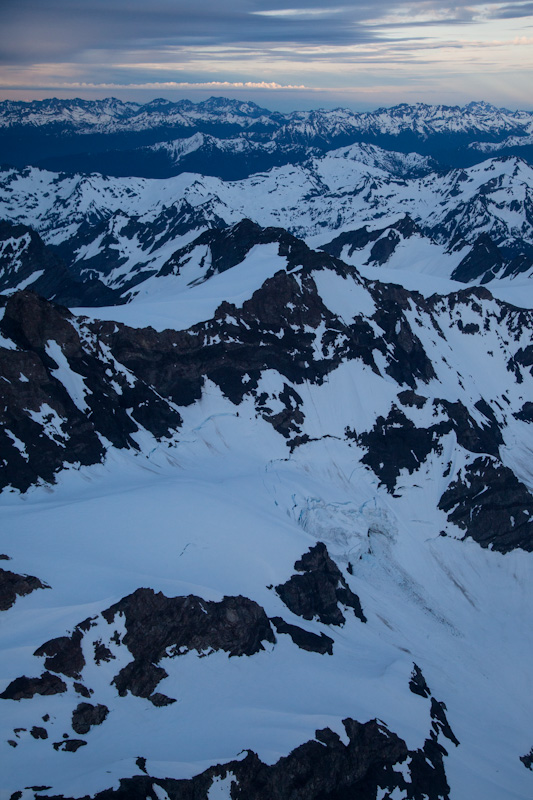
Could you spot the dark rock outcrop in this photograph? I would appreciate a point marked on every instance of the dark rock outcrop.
(227, 246)
(102, 653)
(140, 677)
(64, 654)
(318, 591)
(38, 732)
(321, 769)
(158, 626)
(25, 688)
(385, 240)
(519, 264)
(440, 722)
(306, 640)
(395, 443)
(13, 586)
(418, 684)
(69, 745)
(527, 760)
(81, 689)
(484, 257)
(406, 359)
(44, 426)
(491, 505)
(25, 259)
(85, 715)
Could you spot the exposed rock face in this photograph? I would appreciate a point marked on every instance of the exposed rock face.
(484, 257)
(64, 654)
(129, 380)
(69, 745)
(13, 586)
(440, 721)
(81, 689)
(26, 260)
(306, 640)
(385, 240)
(418, 684)
(407, 360)
(490, 504)
(132, 380)
(527, 760)
(519, 264)
(318, 591)
(39, 732)
(63, 394)
(25, 688)
(395, 443)
(157, 625)
(227, 246)
(140, 677)
(325, 768)
(85, 715)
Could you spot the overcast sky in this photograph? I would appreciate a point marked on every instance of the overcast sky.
(298, 54)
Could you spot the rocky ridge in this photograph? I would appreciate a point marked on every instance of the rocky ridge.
(75, 388)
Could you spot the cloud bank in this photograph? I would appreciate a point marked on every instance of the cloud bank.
(250, 45)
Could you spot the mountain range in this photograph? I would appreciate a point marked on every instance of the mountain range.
(266, 487)
(122, 139)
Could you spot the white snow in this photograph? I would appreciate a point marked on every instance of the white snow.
(226, 511)
(343, 296)
(51, 422)
(71, 380)
(21, 447)
(171, 302)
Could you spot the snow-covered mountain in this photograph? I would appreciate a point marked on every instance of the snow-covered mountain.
(511, 141)
(110, 136)
(308, 511)
(230, 159)
(266, 513)
(111, 115)
(123, 231)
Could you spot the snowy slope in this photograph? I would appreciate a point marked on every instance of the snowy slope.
(311, 406)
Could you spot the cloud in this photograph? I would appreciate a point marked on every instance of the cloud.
(172, 85)
(516, 11)
(256, 45)
(34, 31)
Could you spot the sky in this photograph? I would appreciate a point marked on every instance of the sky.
(283, 55)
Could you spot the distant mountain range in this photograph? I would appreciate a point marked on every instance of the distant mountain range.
(110, 136)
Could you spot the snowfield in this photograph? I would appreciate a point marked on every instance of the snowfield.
(224, 512)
